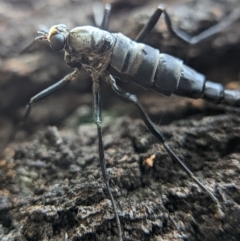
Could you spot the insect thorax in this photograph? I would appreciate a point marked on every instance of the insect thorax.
(89, 46)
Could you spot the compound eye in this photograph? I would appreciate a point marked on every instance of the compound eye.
(57, 41)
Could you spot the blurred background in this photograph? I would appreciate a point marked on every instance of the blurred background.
(24, 70)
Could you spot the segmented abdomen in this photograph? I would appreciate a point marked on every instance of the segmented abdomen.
(165, 74)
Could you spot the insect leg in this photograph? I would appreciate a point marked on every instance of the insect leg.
(48, 91)
(181, 35)
(40, 96)
(208, 33)
(106, 17)
(101, 16)
(133, 99)
(97, 115)
(149, 25)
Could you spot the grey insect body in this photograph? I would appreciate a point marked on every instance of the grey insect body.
(98, 50)
(105, 55)
(91, 47)
(165, 74)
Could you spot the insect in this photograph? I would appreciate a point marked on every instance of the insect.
(105, 55)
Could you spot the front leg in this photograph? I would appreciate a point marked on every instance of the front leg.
(97, 116)
(50, 90)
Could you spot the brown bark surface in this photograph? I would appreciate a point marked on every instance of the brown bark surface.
(51, 185)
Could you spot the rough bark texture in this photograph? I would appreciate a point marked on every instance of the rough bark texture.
(51, 185)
